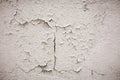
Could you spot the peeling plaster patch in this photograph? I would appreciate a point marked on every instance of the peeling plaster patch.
(75, 42)
(37, 41)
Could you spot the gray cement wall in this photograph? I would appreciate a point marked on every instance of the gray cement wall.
(59, 40)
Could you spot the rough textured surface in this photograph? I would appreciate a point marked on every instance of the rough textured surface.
(59, 40)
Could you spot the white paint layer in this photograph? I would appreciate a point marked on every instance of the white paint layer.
(59, 40)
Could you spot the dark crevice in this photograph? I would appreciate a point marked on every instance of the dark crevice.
(54, 41)
(92, 74)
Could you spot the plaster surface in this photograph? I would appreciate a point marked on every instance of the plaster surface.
(59, 40)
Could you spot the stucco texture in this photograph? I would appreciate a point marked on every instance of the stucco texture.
(59, 39)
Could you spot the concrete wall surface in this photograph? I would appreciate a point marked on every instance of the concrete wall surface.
(59, 39)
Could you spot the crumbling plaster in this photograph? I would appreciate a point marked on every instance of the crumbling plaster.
(59, 40)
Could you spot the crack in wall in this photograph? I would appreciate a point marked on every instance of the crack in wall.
(54, 41)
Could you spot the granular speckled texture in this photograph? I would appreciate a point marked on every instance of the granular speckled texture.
(59, 40)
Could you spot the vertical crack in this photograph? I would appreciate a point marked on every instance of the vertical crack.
(54, 41)
(92, 73)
